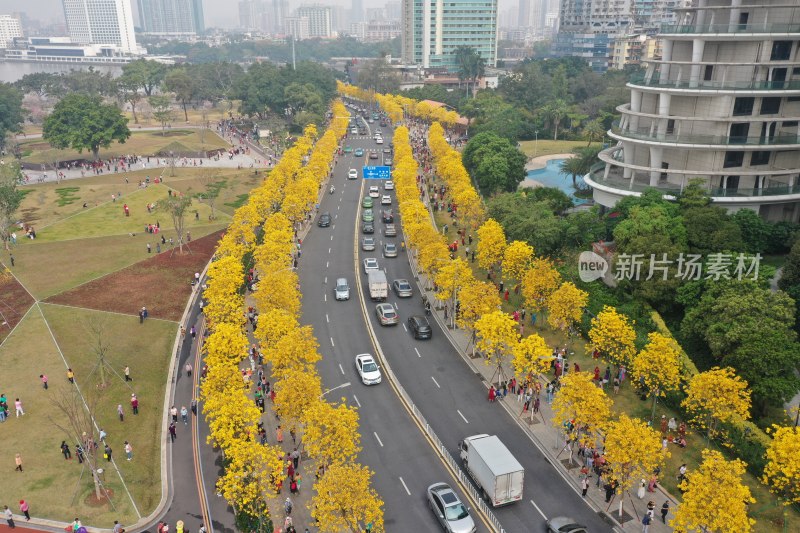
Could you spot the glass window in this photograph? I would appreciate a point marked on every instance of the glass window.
(760, 158)
(771, 105)
(781, 50)
(739, 132)
(743, 106)
(733, 159)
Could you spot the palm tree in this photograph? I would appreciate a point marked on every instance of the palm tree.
(574, 167)
(555, 112)
(593, 130)
(471, 65)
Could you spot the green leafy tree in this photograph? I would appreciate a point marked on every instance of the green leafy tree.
(162, 110)
(708, 228)
(10, 198)
(179, 82)
(83, 122)
(749, 328)
(593, 131)
(129, 92)
(525, 219)
(554, 113)
(11, 114)
(148, 74)
(754, 229)
(494, 162)
(42, 84)
(790, 277)
(176, 206)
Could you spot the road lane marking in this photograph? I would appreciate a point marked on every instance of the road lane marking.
(329, 250)
(537, 508)
(331, 237)
(328, 320)
(396, 308)
(334, 346)
(356, 399)
(325, 297)
(333, 227)
(327, 264)
(418, 354)
(326, 280)
(341, 369)
(436, 382)
(404, 328)
(405, 486)
(377, 437)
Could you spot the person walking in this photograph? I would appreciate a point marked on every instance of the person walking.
(127, 373)
(189, 368)
(44, 381)
(18, 407)
(135, 404)
(18, 462)
(128, 450)
(584, 486)
(185, 415)
(9, 516)
(665, 511)
(279, 434)
(65, 450)
(107, 452)
(120, 412)
(646, 519)
(70, 376)
(25, 509)
(173, 412)
(173, 431)
(194, 406)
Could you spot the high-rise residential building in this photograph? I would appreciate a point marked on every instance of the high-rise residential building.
(375, 30)
(297, 27)
(357, 11)
(171, 17)
(434, 29)
(276, 21)
(101, 22)
(587, 28)
(251, 14)
(720, 105)
(319, 20)
(9, 29)
(524, 14)
(393, 10)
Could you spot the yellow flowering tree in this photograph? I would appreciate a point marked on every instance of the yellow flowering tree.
(782, 473)
(714, 497)
(295, 393)
(581, 408)
(491, 244)
(566, 306)
(331, 433)
(345, 501)
(497, 336)
(658, 367)
(532, 355)
(717, 395)
(477, 298)
(449, 280)
(516, 259)
(612, 334)
(539, 282)
(633, 451)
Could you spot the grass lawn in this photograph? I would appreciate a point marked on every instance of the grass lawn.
(213, 115)
(549, 147)
(48, 482)
(140, 142)
(147, 349)
(627, 401)
(98, 257)
(109, 218)
(237, 183)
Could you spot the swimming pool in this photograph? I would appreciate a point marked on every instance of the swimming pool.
(551, 176)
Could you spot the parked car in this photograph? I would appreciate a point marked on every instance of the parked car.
(402, 288)
(367, 369)
(324, 220)
(419, 326)
(368, 244)
(453, 516)
(389, 250)
(342, 289)
(387, 316)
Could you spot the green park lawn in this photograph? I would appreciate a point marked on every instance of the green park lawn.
(549, 147)
(52, 485)
(109, 218)
(140, 142)
(96, 257)
(765, 511)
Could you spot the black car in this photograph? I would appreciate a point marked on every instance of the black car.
(324, 220)
(388, 216)
(368, 228)
(419, 327)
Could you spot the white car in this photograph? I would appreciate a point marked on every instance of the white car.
(386, 200)
(352, 174)
(388, 186)
(370, 265)
(374, 192)
(367, 369)
(379, 140)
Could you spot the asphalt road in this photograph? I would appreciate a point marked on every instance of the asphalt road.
(393, 446)
(447, 391)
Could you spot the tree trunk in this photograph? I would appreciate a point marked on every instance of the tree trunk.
(555, 131)
(133, 110)
(185, 114)
(95, 151)
(620, 505)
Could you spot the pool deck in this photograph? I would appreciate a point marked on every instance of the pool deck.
(538, 163)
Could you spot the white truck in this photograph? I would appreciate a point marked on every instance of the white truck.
(496, 472)
(378, 286)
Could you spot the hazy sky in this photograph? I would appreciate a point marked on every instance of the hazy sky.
(218, 13)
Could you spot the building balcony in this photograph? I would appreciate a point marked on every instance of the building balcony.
(654, 82)
(703, 141)
(739, 29)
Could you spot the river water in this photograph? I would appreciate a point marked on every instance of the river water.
(11, 71)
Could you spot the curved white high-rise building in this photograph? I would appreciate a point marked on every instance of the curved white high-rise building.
(101, 22)
(721, 105)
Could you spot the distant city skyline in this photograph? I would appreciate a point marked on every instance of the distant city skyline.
(218, 13)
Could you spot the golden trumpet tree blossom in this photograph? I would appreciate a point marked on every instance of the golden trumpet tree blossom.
(345, 501)
(497, 336)
(658, 366)
(477, 298)
(581, 408)
(715, 499)
(331, 433)
(532, 355)
(539, 282)
(612, 334)
(717, 395)
(517, 259)
(566, 306)
(782, 473)
(491, 244)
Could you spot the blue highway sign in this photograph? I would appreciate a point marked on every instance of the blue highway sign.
(377, 173)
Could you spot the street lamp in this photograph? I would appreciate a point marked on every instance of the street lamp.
(343, 385)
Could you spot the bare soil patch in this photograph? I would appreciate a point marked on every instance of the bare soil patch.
(14, 303)
(161, 283)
